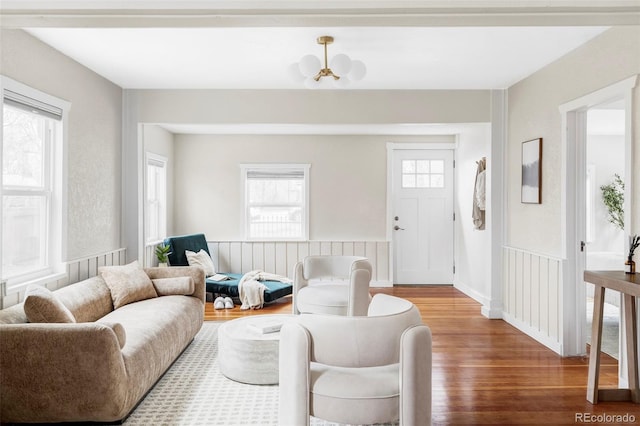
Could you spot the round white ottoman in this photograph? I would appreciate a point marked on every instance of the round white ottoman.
(247, 355)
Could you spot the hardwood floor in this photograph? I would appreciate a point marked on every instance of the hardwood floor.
(487, 372)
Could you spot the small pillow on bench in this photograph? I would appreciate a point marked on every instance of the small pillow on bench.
(127, 284)
(201, 259)
(42, 305)
(177, 286)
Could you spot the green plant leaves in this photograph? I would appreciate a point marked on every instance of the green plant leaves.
(613, 198)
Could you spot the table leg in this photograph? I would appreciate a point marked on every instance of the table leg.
(630, 331)
(596, 344)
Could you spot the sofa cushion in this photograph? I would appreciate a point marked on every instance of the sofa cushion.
(178, 286)
(201, 259)
(42, 305)
(88, 300)
(127, 283)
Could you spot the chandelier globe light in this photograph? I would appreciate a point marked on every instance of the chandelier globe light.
(341, 71)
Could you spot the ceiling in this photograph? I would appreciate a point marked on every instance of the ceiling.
(249, 44)
(258, 57)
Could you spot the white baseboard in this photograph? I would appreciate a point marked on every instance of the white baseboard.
(381, 283)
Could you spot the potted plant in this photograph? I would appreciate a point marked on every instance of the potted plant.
(162, 253)
(634, 242)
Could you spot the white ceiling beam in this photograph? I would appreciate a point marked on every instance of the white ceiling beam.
(12, 16)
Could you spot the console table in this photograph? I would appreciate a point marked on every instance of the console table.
(629, 286)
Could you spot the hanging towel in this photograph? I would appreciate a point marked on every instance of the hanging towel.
(479, 196)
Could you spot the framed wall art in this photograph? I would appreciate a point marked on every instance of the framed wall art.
(532, 171)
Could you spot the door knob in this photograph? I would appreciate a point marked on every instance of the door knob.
(397, 228)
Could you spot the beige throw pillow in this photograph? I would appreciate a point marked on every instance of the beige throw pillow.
(127, 284)
(42, 305)
(201, 259)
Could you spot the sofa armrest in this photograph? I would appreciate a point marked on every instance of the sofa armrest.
(194, 272)
(61, 372)
(359, 296)
(415, 376)
(299, 282)
(294, 375)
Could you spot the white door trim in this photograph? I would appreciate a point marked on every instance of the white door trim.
(572, 133)
(394, 146)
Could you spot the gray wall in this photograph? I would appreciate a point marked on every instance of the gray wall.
(94, 138)
(534, 113)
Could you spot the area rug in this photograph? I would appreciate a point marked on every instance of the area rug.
(194, 392)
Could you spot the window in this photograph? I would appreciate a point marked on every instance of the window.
(276, 201)
(423, 173)
(156, 200)
(32, 165)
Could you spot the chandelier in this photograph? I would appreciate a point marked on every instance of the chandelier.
(343, 69)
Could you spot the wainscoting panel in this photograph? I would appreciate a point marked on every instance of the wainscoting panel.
(76, 270)
(532, 295)
(87, 267)
(280, 257)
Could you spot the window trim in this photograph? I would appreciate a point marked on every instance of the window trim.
(57, 222)
(244, 170)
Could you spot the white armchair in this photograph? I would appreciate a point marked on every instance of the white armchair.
(357, 370)
(335, 285)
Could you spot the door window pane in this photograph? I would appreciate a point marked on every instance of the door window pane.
(423, 173)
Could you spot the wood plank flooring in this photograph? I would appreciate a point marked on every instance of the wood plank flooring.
(487, 372)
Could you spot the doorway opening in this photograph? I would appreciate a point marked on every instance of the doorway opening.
(604, 217)
(574, 204)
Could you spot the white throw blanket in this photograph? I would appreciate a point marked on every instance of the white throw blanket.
(251, 290)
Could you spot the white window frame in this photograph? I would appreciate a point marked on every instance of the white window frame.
(152, 159)
(246, 168)
(56, 173)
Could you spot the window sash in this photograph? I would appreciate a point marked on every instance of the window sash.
(273, 219)
(49, 188)
(156, 195)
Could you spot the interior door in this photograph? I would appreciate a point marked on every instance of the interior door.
(423, 219)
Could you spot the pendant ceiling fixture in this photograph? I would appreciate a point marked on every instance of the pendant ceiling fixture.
(343, 69)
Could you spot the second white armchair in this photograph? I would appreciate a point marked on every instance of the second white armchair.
(335, 285)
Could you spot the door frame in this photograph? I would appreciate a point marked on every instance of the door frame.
(573, 218)
(398, 146)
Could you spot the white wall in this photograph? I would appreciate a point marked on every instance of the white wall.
(348, 179)
(606, 153)
(473, 254)
(94, 143)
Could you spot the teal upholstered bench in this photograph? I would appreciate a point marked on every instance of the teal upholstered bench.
(196, 242)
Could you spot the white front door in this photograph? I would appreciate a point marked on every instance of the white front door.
(422, 219)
